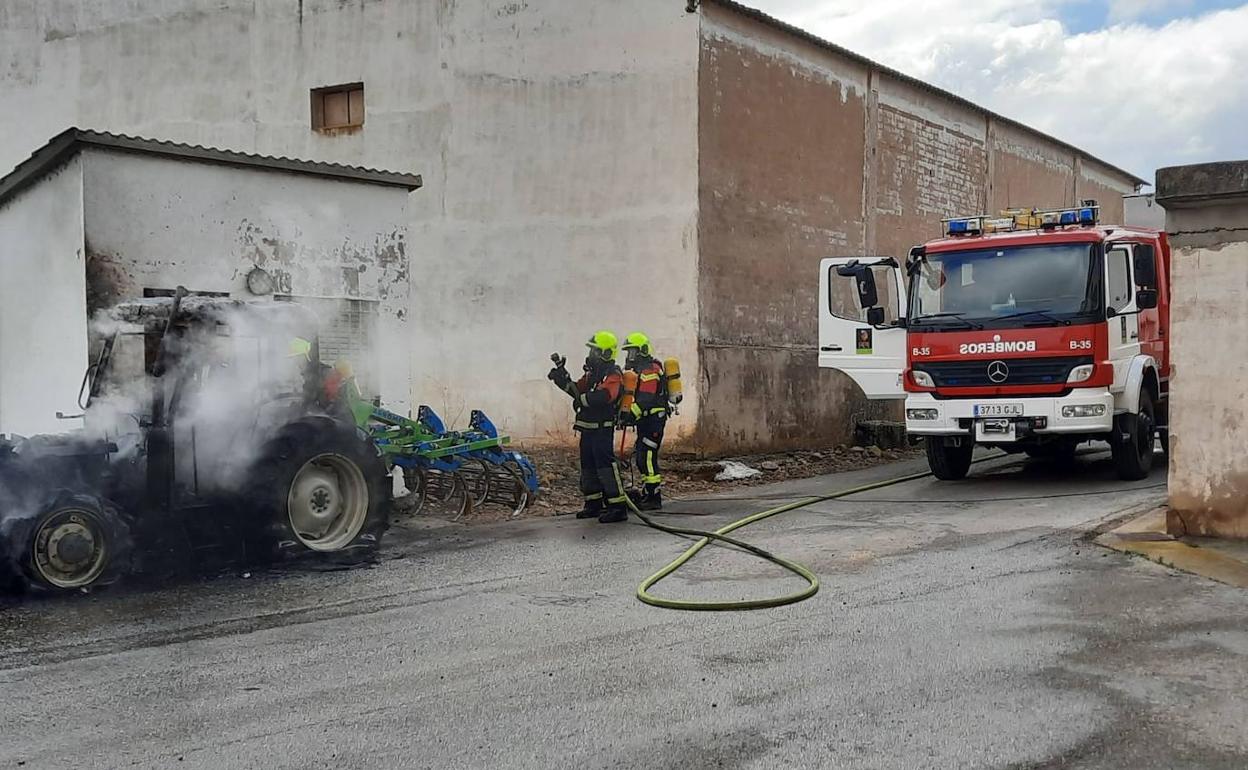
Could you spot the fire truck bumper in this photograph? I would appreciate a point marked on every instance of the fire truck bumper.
(1004, 419)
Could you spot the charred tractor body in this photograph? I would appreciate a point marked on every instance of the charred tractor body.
(1032, 332)
(205, 443)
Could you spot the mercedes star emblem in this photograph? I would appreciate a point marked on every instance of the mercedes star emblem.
(998, 372)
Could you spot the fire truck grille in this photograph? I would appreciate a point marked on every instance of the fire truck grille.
(1016, 371)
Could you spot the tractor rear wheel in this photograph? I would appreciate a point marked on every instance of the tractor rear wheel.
(321, 488)
(77, 542)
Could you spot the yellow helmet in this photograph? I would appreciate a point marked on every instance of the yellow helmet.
(605, 343)
(639, 342)
(299, 347)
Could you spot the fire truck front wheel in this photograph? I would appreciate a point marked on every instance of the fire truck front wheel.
(1134, 441)
(949, 458)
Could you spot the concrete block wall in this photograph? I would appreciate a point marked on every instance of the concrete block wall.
(557, 141)
(568, 202)
(1207, 221)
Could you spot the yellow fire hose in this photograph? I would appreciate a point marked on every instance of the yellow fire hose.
(720, 535)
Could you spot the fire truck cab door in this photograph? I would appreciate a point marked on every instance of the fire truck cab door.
(872, 354)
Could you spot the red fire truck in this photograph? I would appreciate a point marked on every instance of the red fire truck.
(1033, 331)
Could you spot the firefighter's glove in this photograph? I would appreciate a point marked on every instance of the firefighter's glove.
(559, 376)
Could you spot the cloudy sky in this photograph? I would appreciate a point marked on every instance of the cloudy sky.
(1140, 83)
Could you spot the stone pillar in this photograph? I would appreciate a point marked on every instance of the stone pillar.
(1207, 221)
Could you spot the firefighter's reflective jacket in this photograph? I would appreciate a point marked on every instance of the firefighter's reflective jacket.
(651, 397)
(597, 396)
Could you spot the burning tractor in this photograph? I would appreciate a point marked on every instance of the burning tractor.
(205, 443)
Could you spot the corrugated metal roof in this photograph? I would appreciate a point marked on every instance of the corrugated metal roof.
(68, 142)
(810, 37)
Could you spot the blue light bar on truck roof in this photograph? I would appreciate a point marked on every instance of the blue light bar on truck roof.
(964, 226)
(1086, 214)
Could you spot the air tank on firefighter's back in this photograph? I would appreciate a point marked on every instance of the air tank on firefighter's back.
(671, 371)
(630, 391)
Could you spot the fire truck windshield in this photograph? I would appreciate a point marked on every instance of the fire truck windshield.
(1046, 285)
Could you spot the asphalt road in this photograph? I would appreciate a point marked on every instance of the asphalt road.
(955, 628)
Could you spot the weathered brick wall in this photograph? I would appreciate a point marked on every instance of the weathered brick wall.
(805, 153)
(930, 162)
(781, 147)
(1098, 183)
(1029, 171)
(941, 169)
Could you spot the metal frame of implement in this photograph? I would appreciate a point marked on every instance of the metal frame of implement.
(460, 468)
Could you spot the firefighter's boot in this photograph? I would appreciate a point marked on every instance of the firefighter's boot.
(592, 510)
(651, 498)
(614, 514)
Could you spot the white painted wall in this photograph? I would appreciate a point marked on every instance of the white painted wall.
(43, 328)
(1143, 211)
(557, 140)
(1208, 411)
(154, 222)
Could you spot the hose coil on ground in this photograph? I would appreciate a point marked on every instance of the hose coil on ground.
(721, 535)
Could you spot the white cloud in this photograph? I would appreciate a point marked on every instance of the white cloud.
(1137, 96)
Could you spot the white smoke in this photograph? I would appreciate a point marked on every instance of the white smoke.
(231, 381)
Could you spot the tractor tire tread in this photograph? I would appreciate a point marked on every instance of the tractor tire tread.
(271, 537)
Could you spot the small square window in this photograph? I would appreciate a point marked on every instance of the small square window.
(335, 107)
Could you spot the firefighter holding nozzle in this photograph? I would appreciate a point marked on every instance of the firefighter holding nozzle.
(596, 398)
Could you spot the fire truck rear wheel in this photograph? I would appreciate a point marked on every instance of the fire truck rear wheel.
(947, 461)
(1135, 441)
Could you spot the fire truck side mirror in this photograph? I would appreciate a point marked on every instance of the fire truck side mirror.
(868, 294)
(1146, 299)
(875, 316)
(1145, 267)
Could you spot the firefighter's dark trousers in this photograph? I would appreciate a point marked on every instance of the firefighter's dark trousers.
(646, 449)
(600, 480)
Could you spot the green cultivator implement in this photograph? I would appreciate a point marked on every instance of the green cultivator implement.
(459, 469)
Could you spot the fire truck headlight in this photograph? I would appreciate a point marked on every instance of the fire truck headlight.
(922, 379)
(1084, 410)
(922, 414)
(1080, 374)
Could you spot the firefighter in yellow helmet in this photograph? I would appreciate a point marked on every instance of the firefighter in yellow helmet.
(649, 413)
(596, 397)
